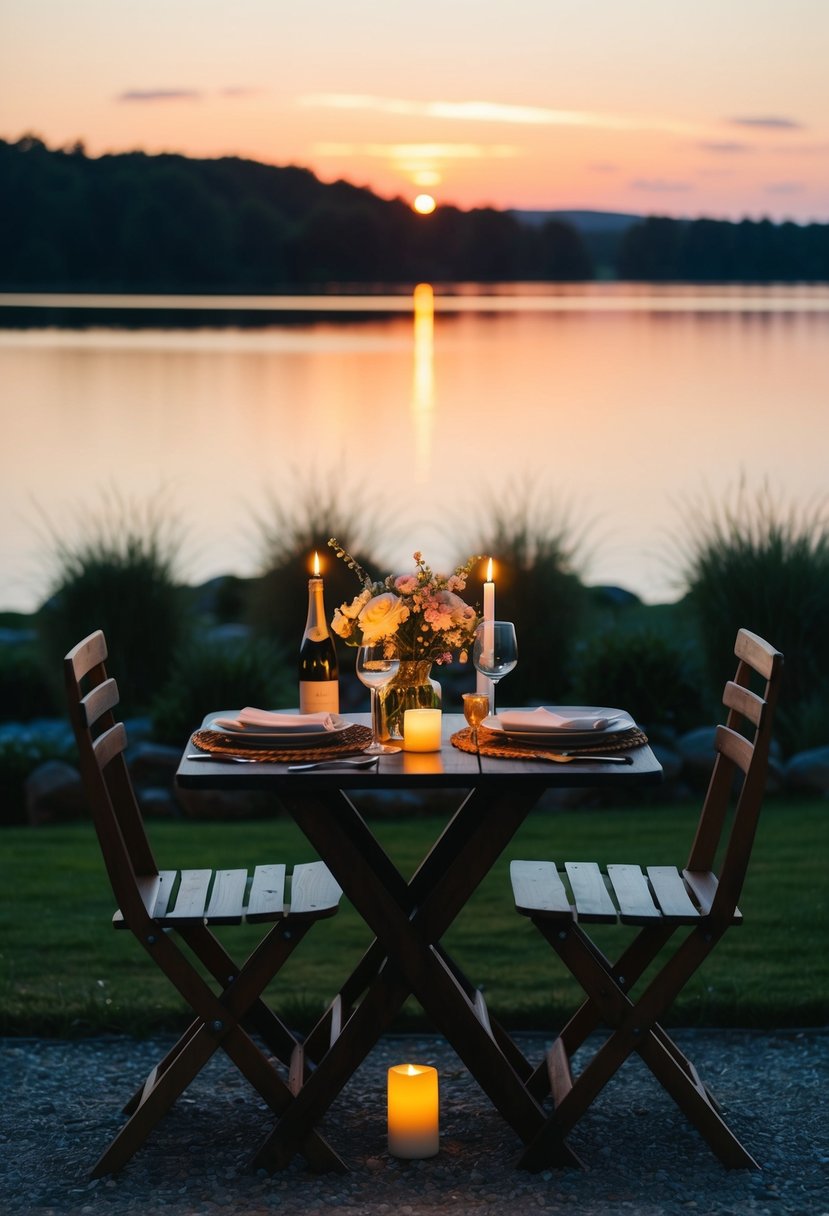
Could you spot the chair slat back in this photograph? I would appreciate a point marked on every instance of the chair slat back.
(740, 771)
(92, 698)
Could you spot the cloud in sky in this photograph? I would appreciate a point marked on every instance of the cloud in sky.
(408, 152)
(489, 111)
(154, 95)
(727, 147)
(769, 123)
(160, 95)
(660, 185)
(784, 187)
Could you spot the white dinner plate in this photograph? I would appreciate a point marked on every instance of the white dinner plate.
(563, 735)
(275, 737)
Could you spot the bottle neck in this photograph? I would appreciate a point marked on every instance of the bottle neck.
(316, 626)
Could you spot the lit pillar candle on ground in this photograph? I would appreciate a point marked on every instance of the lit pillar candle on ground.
(413, 1125)
(483, 684)
(421, 730)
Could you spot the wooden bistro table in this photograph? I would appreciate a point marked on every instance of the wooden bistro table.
(408, 919)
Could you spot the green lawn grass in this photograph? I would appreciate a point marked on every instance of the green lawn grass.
(65, 971)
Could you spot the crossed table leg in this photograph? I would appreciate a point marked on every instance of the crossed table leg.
(406, 958)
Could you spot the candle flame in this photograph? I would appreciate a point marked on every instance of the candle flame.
(489, 571)
(316, 565)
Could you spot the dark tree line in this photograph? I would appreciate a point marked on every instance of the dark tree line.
(170, 223)
(704, 250)
(167, 223)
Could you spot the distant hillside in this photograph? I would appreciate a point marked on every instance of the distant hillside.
(601, 231)
(172, 223)
(169, 223)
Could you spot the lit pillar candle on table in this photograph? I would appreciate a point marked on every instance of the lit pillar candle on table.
(413, 1107)
(421, 730)
(483, 683)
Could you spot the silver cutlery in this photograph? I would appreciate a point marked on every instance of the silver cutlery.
(361, 762)
(220, 759)
(574, 757)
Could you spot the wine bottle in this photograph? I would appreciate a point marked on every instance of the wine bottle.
(319, 689)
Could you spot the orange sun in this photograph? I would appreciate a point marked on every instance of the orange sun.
(424, 204)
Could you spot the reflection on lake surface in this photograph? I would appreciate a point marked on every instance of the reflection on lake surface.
(623, 403)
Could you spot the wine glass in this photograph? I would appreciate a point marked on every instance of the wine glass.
(375, 667)
(495, 651)
(475, 709)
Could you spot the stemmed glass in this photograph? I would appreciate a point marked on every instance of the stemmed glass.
(495, 652)
(374, 669)
(475, 709)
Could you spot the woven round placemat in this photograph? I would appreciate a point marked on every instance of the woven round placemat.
(490, 743)
(353, 739)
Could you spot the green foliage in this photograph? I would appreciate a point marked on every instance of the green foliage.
(25, 692)
(536, 547)
(119, 577)
(757, 564)
(206, 675)
(643, 672)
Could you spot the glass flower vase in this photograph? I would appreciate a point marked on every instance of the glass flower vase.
(411, 687)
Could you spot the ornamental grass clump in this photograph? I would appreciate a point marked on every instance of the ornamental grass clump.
(756, 563)
(120, 577)
(537, 552)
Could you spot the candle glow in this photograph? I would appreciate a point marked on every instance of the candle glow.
(421, 730)
(316, 565)
(413, 1111)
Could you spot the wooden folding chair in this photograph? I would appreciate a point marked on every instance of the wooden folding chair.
(164, 909)
(699, 903)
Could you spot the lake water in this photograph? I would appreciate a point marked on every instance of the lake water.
(625, 406)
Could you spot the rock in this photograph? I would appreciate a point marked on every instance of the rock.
(149, 760)
(158, 802)
(696, 749)
(670, 759)
(808, 770)
(54, 794)
(225, 804)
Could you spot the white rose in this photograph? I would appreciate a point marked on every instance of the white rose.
(381, 617)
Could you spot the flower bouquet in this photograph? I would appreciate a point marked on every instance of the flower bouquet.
(420, 617)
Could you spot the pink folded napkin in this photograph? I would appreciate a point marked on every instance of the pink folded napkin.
(266, 720)
(543, 719)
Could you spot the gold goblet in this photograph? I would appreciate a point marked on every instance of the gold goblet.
(475, 709)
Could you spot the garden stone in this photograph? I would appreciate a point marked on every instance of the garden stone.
(158, 802)
(808, 770)
(147, 760)
(670, 759)
(696, 748)
(54, 794)
(225, 804)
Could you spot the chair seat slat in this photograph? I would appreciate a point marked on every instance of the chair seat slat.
(267, 894)
(593, 903)
(314, 890)
(636, 906)
(227, 898)
(538, 890)
(672, 895)
(192, 896)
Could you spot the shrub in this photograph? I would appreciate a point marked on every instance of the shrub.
(206, 676)
(758, 564)
(118, 577)
(644, 673)
(25, 691)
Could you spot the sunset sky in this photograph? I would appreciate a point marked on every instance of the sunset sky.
(677, 107)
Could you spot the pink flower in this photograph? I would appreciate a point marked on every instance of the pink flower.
(406, 584)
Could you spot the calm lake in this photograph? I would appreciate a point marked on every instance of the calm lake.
(625, 406)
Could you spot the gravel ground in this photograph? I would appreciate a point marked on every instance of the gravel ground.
(62, 1100)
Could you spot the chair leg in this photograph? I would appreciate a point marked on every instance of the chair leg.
(634, 1027)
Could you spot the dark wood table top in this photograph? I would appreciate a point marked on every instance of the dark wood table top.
(446, 769)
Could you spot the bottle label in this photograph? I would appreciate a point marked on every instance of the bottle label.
(319, 696)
